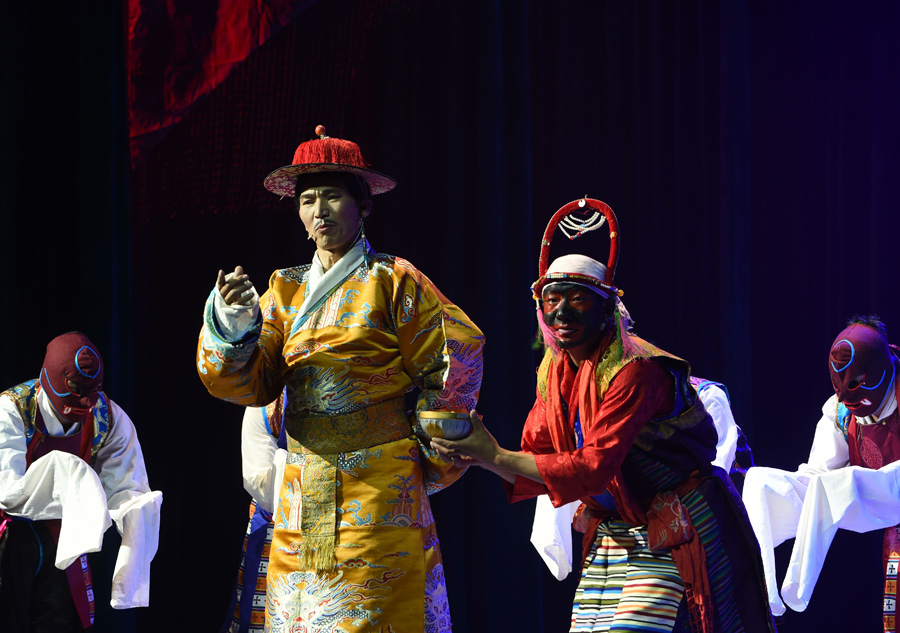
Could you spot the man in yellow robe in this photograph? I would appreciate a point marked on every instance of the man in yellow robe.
(354, 545)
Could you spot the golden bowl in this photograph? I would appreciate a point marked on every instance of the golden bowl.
(447, 424)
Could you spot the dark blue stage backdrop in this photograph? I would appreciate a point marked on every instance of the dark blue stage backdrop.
(750, 150)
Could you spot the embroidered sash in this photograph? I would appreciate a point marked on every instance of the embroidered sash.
(670, 526)
(321, 440)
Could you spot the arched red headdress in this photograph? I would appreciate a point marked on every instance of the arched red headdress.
(567, 217)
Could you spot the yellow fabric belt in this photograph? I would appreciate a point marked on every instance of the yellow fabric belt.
(325, 435)
(321, 440)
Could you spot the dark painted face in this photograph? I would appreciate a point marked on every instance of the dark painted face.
(72, 376)
(577, 315)
(862, 369)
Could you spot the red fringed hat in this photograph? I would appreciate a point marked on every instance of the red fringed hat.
(322, 155)
(574, 220)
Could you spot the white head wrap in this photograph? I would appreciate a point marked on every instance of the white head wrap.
(584, 265)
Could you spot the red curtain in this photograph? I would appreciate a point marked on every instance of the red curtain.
(179, 51)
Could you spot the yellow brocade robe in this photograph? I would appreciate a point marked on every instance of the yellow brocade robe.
(354, 546)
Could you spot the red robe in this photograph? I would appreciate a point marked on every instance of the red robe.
(647, 442)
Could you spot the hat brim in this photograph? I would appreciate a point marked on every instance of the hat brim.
(282, 180)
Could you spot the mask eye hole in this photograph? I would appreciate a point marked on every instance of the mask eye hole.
(856, 382)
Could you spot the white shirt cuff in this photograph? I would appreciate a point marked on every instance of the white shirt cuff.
(235, 320)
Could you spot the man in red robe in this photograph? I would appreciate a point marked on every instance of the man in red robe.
(617, 425)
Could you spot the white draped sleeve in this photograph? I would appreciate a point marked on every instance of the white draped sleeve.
(551, 535)
(775, 498)
(260, 459)
(829, 450)
(133, 506)
(715, 401)
(56, 486)
(87, 499)
(138, 522)
(853, 498)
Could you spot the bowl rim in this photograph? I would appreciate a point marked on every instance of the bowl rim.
(442, 415)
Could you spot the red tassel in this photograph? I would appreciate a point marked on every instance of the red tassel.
(330, 150)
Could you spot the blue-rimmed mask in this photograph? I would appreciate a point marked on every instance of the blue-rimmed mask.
(72, 376)
(862, 369)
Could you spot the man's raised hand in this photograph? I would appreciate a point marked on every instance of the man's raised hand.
(235, 287)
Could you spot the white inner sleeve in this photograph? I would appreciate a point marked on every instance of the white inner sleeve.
(715, 401)
(258, 450)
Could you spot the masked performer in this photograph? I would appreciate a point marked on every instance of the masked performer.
(70, 465)
(618, 426)
(354, 545)
(851, 478)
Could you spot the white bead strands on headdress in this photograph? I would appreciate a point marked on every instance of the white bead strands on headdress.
(574, 220)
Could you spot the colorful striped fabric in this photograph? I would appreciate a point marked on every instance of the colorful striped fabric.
(721, 575)
(625, 586)
(707, 526)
